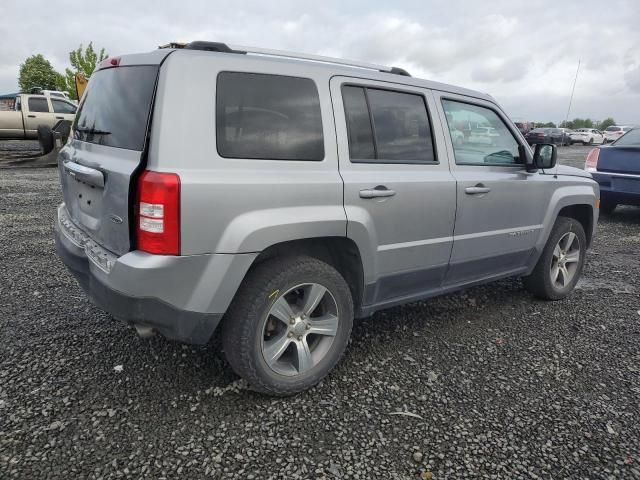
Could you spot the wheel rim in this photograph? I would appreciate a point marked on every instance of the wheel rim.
(299, 329)
(565, 260)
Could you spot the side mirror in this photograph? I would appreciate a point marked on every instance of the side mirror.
(545, 156)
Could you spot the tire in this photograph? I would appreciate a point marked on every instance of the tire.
(607, 207)
(540, 282)
(250, 325)
(45, 137)
(591, 141)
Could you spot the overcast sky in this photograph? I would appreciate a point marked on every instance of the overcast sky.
(524, 53)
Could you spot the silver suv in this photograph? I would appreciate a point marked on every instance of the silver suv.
(270, 198)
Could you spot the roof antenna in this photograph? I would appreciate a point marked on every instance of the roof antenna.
(573, 89)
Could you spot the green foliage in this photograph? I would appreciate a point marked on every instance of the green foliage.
(579, 123)
(37, 71)
(607, 122)
(546, 125)
(83, 61)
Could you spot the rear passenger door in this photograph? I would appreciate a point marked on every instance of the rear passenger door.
(38, 112)
(501, 206)
(399, 195)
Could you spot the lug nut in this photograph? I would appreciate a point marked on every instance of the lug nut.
(290, 335)
(308, 327)
(292, 321)
(300, 337)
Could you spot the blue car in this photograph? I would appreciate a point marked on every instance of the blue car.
(616, 168)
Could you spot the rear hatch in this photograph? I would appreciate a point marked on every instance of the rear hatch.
(99, 165)
(623, 156)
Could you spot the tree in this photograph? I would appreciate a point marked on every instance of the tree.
(607, 122)
(37, 71)
(546, 125)
(84, 61)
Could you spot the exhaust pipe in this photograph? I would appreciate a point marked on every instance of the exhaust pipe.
(144, 331)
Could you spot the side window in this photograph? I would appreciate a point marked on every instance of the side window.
(269, 117)
(386, 126)
(479, 136)
(60, 106)
(37, 104)
(358, 123)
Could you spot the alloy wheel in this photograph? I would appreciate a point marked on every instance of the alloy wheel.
(299, 329)
(565, 260)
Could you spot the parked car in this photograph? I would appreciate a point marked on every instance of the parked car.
(483, 135)
(611, 134)
(587, 136)
(524, 127)
(616, 168)
(271, 197)
(547, 135)
(31, 111)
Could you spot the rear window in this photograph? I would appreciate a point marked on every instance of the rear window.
(613, 129)
(115, 107)
(38, 105)
(631, 138)
(271, 117)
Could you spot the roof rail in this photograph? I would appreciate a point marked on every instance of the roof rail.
(224, 48)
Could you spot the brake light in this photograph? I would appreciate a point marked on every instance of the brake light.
(110, 62)
(591, 164)
(158, 213)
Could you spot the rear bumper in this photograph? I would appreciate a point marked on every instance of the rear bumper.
(609, 192)
(183, 297)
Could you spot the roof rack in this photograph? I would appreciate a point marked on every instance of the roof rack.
(224, 48)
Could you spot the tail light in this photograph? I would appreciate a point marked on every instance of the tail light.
(158, 213)
(109, 62)
(591, 165)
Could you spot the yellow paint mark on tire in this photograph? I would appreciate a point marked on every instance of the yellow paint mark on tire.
(274, 294)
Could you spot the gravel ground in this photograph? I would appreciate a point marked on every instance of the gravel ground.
(490, 382)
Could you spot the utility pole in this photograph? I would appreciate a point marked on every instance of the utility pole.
(573, 89)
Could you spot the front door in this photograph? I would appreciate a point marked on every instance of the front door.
(501, 206)
(399, 194)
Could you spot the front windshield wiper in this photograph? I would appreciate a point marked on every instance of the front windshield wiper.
(92, 131)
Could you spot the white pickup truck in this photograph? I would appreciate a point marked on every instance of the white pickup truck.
(31, 111)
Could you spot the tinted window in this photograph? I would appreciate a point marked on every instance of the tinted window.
(612, 129)
(358, 123)
(479, 136)
(400, 123)
(268, 117)
(62, 107)
(115, 107)
(38, 104)
(632, 137)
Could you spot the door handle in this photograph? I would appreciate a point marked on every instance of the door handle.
(31, 116)
(85, 174)
(59, 118)
(378, 192)
(477, 190)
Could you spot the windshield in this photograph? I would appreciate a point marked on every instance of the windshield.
(115, 108)
(631, 138)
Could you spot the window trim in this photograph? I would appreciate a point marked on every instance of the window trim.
(520, 164)
(376, 161)
(215, 115)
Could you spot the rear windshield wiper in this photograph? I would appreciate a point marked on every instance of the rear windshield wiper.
(93, 131)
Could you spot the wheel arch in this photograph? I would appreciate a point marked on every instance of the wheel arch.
(583, 213)
(342, 253)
